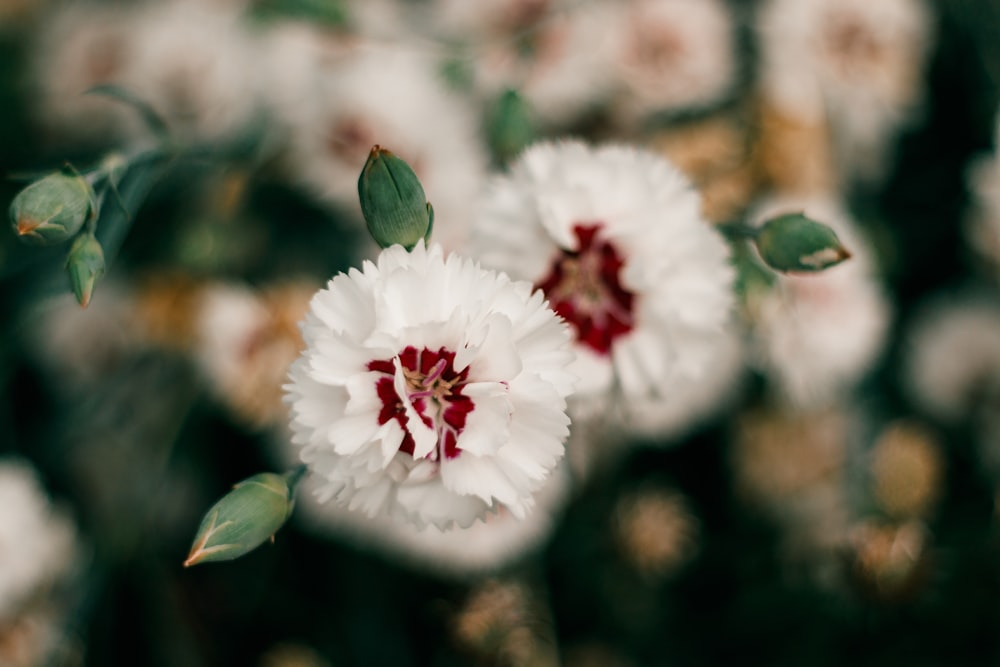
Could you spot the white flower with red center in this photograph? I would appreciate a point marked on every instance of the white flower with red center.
(673, 55)
(615, 239)
(430, 389)
(855, 64)
(815, 335)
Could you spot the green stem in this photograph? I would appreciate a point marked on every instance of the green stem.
(294, 476)
(737, 229)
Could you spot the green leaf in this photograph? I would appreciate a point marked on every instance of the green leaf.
(153, 120)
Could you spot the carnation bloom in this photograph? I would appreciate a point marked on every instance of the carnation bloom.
(38, 543)
(614, 237)
(80, 46)
(430, 389)
(196, 64)
(459, 553)
(982, 226)
(816, 335)
(246, 341)
(673, 55)
(858, 62)
(952, 361)
(391, 96)
(556, 53)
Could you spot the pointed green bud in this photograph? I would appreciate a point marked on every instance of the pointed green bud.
(53, 209)
(393, 201)
(85, 264)
(794, 243)
(510, 127)
(245, 518)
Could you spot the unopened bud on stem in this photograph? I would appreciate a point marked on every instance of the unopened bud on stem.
(393, 201)
(85, 264)
(245, 517)
(53, 209)
(792, 242)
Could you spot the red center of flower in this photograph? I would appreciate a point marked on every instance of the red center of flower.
(434, 388)
(584, 287)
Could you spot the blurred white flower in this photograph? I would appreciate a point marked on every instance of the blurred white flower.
(555, 53)
(816, 335)
(430, 389)
(195, 64)
(295, 55)
(245, 342)
(672, 55)
(80, 46)
(83, 346)
(391, 96)
(614, 237)
(38, 544)
(953, 354)
(486, 546)
(858, 63)
(489, 19)
(682, 403)
(982, 227)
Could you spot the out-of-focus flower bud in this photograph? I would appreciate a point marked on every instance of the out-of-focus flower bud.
(793, 242)
(393, 201)
(51, 210)
(245, 517)
(656, 532)
(890, 562)
(510, 128)
(907, 471)
(85, 264)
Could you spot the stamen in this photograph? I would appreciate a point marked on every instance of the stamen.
(435, 373)
(436, 396)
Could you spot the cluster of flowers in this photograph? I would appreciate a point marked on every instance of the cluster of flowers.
(590, 303)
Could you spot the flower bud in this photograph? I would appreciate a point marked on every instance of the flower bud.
(85, 264)
(51, 210)
(393, 201)
(793, 242)
(510, 128)
(244, 518)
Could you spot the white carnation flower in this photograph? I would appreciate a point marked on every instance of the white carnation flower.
(37, 543)
(614, 237)
(565, 73)
(195, 64)
(953, 354)
(673, 55)
(430, 389)
(859, 63)
(80, 46)
(485, 546)
(391, 96)
(815, 335)
(982, 225)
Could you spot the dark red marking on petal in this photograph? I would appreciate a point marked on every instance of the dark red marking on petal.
(434, 387)
(584, 287)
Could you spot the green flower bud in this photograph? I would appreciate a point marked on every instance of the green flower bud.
(245, 518)
(510, 127)
(793, 242)
(85, 264)
(53, 209)
(393, 201)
